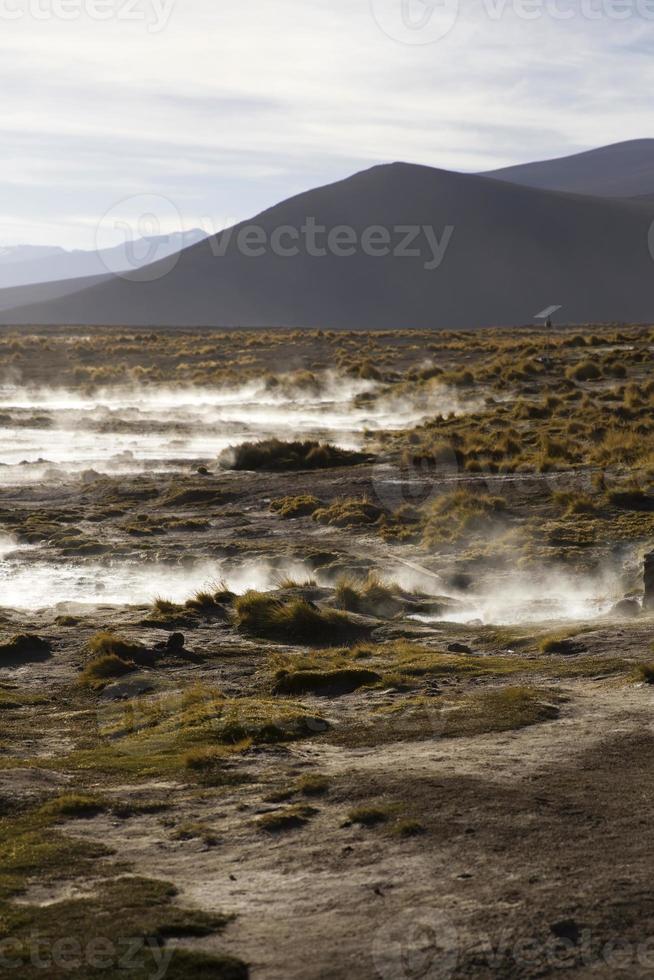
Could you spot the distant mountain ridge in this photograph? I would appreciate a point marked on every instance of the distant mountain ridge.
(620, 170)
(22, 265)
(513, 251)
(15, 254)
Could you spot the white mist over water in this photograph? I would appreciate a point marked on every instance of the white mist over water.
(539, 596)
(57, 434)
(37, 584)
(29, 581)
(51, 434)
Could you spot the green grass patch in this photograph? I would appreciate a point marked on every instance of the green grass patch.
(94, 935)
(370, 597)
(291, 818)
(276, 456)
(350, 512)
(314, 784)
(329, 683)
(103, 670)
(291, 507)
(109, 644)
(76, 806)
(369, 816)
(292, 621)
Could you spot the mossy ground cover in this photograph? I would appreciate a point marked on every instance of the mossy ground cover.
(122, 928)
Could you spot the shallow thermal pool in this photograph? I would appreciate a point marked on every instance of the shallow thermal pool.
(53, 434)
(29, 581)
(551, 597)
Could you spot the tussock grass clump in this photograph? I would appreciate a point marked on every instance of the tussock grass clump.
(224, 594)
(369, 816)
(165, 607)
(350, 512)
(204, 759)
(461, 513)
(372, 597)
(313, 785)
(573, 503)
(180, 496)
(276, 456)
(201, 718)
(24, 647)
(564, 644)
(291, 507)
(206, 603)
(409, 828)
(113, 657)
(102, 670)
(326, 682)
(107, 644)
(645, 673)
(584, 371)
(501, 710)
(293, 621)
(292, 818)
(288, 584)
(76, 806)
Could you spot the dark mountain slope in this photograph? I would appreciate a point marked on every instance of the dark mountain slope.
(621, 170)
(30, 265)
(513, 251)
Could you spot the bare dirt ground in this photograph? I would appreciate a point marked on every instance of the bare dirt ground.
(406, 731)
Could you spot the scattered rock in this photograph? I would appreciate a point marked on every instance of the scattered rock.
(566, 929)
(626, 609)
(459, 648)
(24, 648)
(176, 642)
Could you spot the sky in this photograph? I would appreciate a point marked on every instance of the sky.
(202, 112)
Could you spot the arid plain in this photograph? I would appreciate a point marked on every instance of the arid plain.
(326, 655)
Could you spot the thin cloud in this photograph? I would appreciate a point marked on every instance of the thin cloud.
(232, 107)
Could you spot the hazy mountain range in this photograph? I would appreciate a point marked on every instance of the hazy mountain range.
(22, 265)
(621, 170)
(487, 249)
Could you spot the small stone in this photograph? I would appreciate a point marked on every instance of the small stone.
(458, 648)
(176, 642)
(566, 929)
(626, 609)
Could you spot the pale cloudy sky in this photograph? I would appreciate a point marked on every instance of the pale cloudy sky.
(223, 107)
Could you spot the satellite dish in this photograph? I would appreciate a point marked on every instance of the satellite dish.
(547, 312)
